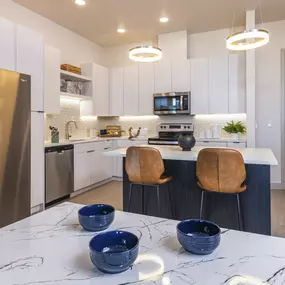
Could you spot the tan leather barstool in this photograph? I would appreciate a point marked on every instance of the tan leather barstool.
(221, 170)
(144, 166)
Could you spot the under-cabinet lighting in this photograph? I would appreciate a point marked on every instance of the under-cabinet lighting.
(241, 116)
(136, 118)
(69, 100)
(88, 118)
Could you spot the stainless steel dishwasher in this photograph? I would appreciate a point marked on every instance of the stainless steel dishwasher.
(59, 173)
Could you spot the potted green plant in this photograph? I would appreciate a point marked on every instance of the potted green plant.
(235, 128)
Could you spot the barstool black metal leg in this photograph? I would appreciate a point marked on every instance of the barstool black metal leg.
(202, 204)
(143, 199)
(130, 197)
(240, 222)
(170, 201)
(158, 202)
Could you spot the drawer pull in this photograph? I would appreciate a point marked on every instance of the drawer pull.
(89, 151)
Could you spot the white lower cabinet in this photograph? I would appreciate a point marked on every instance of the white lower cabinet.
(237, 144)
(81, 170)
(222, 144)
(90, 164)
(211, 144)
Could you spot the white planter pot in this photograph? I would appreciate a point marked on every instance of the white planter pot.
(235, 136)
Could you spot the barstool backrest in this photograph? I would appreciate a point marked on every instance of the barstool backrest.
(144, 165)
(221, 170)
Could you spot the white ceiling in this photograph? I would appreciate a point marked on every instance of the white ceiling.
(99, 19)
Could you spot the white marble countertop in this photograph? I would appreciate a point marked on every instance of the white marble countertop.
(51, 248)
(262, 156)
(88, 140)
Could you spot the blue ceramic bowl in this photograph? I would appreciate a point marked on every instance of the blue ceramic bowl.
(114, 251)
(97, 217)
(198, 236)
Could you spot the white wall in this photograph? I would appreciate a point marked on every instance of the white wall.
(268, 93)
(75, 49)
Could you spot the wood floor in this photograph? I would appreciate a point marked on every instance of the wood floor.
(111, 193)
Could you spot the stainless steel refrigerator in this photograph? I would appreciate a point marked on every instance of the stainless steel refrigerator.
(15, 146)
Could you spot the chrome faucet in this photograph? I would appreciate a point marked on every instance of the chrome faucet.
(67, 135)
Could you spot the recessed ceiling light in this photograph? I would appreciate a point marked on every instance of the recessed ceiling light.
(164, 20)
(121, 30)
(80, 2)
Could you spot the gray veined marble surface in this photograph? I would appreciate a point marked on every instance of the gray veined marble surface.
(51, 248)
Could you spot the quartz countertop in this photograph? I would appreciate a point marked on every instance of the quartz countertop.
(88, 140)
(261, 156)
(51, 248)
(96, 139)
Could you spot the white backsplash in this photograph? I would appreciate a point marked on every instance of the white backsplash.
(70, 110)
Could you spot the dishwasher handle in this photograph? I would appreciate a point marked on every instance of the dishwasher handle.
(58, 149)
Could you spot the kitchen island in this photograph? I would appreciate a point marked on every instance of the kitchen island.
(186, 195)
(51, 248)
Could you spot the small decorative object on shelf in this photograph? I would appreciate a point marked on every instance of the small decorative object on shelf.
(131, 136)
(186, 141)
(235, 128)
(54, 134)
(71, 68)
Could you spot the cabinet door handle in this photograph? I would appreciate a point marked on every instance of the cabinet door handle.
(89, 151)
(106, 148)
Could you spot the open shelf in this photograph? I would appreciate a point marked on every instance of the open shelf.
(74, 77)
(74, 96)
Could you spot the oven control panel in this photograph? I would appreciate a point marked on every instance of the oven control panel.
(176, 127)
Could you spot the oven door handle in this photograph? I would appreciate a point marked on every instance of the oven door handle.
(181, 103)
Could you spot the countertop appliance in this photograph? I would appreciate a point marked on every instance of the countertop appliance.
(172, 103)
(15, 146)
(59, 169)
(168, 134)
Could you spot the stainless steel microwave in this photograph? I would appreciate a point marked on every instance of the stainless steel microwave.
(172, 103)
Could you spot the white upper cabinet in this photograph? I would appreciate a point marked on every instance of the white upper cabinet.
(237, 83)
(30, 57)
(52, 80)
(162, 77)
(101, 84)
(131, 90)
(219, 85)
(146, 88)
(7, 45)
(180, 71)
(199, 86)
(117, 91)
(98, 89)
